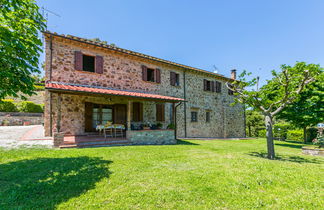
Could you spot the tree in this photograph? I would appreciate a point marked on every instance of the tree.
(283, 89)
(20, 24)
(308, 110)
(254, 122)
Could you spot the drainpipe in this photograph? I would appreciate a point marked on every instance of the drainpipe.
(185, 104)
(175, 119)
(50, 94)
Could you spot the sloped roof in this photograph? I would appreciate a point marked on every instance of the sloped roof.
(129, 52)
(106, 91)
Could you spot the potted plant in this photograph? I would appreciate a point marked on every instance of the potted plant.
(171, 126)
(146, 126)
(159, 125)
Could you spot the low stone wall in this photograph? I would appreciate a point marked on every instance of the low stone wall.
(152, 137)
(20, 118)
(310, 151)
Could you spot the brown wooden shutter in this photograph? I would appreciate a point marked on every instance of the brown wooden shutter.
(212, 84)
(158, 75)
(120, 114)
(88, 117)
(160, 115)
(78, 60)
(205, 84)
(218, 87)
(144, 73)
(140, 112)
(99, 64)
(172, 78)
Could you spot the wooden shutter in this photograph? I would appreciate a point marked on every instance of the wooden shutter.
(212, 84)
(88, 117)
(160, 112)
(144, 73)
(78, 60)
(172, 78)
(157, 75)
(218, 87)
(120, 114)
(137, 112)
(99, 64)
(205, 84)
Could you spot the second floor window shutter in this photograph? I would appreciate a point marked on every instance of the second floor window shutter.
(157, 75)
(219, 87)
(78, 60)
(205, 84)
(144, 73)
(172, 78)
(99, 64)
(212, 84)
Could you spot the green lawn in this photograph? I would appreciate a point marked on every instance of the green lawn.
(191, 175)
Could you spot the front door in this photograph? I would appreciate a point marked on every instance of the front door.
(96, 114)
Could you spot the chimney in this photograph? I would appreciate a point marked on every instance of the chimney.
(233, 74)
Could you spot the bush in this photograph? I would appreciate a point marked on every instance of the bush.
(262, 133)
(28, 106)
(280, 130)
(296, 135)
(311, 134)
(8, 105)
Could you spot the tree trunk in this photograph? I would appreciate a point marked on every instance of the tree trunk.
(269, 133)
(305, 134)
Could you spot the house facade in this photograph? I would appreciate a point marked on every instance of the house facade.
(90, 84)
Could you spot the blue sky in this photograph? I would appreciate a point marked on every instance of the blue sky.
(255, 35)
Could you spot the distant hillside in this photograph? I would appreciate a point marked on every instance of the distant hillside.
(38, 98)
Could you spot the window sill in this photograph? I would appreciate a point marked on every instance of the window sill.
(88, 72)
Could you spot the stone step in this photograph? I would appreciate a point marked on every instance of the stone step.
(94, 143)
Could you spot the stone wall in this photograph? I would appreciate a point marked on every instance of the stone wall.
(21, 118)
(124, 72)
(152, 137)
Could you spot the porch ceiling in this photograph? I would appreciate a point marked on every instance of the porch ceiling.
(99, 90)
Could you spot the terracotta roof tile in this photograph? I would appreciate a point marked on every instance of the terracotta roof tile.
(88, 89)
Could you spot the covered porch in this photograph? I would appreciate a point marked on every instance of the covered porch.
(77, 111)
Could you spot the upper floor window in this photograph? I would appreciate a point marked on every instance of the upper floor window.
(174, 79)
(213, 86)
(88, 63)
(151, 75)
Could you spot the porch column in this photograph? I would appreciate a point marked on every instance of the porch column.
(59, 114)
(129, 111)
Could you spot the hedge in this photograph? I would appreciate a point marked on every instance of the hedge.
(296, 135)
(28, 106)
(8, 105)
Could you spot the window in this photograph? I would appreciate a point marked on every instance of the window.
(174, 79)
(209, 85)
(137, 112)
(194, 116)
(152, 75)
(218, 87)
(88, 63)
(207, 116)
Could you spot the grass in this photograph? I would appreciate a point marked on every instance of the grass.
(191, 175)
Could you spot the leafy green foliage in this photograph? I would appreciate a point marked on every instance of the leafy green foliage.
(254, 123)
(295, 135)
(280, 130)
(29, 106)
(20, 23)
(8, 105)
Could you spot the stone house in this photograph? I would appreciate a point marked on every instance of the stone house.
(90, 83)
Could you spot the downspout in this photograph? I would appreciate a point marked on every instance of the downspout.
(185, 104)
(175, 119)
(50, 94)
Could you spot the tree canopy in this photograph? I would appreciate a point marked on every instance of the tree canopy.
(20, 46)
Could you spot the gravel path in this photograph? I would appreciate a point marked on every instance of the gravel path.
(23, 136)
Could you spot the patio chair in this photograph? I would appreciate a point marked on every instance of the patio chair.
(119, 130)
(108, 130)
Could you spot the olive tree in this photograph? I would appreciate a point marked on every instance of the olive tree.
(283, 89)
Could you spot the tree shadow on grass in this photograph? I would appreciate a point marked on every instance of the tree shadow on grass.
(184, 142)
(289, 145)
(43, 183)
(296, 159)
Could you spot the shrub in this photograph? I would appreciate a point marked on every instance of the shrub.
(280, 130)
(262, 133)
(28, 106)
(8, 105)
(296, 135)
(311, 134)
